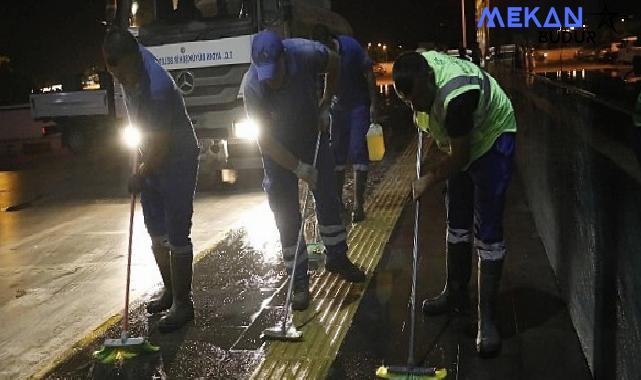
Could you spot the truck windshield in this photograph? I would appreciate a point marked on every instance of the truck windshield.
(150, 12)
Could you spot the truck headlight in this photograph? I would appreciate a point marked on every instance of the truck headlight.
(131, 136)
(247, 129)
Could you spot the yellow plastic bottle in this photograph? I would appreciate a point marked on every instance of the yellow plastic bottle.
(375, 142)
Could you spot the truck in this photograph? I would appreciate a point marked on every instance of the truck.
(78, 110)
(206, 46)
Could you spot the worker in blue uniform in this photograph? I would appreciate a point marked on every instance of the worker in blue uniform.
(280, 94)
(353, 108)
(167, 171)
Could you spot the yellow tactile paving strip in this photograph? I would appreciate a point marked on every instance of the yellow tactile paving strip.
(335, 301)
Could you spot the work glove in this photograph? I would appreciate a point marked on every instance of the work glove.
(135, 183)
(307, 173)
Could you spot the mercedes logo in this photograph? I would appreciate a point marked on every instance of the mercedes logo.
(185, 82)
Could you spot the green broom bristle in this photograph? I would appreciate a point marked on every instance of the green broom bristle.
(112, 355)
(382, 372)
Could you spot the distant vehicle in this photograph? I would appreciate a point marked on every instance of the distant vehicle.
(507, 51)
(540, 56)
(626, 51)
(587, 54)
(605, 54)
(79, 115)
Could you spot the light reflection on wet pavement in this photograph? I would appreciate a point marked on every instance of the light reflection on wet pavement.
(238, 290)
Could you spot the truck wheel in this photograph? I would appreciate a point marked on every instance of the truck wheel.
(76, 140)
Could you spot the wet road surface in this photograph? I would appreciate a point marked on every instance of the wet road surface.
(238, 289)
(238, 292)
(63, 250)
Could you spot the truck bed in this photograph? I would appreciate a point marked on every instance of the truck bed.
(65, 104)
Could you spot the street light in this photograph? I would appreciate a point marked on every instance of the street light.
(379, 44)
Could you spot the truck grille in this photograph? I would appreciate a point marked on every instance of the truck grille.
(214, 86)
(245, 149)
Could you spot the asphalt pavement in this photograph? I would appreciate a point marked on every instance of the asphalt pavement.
(63, 235)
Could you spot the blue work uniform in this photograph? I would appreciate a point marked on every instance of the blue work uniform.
(290, 115)
(167, 195)
(350, 110)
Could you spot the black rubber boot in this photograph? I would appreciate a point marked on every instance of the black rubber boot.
(340, 183)
(162, 303)
(360, 184)
(182, 310)
(454, 297)
(300, 294)
(488, 339)
(341, 265)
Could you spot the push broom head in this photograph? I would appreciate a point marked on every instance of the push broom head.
(415, 373)
(315, 251)
(119, 350)
(289, 333)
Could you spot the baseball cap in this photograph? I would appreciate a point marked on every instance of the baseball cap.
(266, 50)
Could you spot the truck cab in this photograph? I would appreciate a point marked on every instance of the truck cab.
(206, 46)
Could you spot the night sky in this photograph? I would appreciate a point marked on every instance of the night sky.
(48, 40)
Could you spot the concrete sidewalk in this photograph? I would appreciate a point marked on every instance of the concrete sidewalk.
(539, 339)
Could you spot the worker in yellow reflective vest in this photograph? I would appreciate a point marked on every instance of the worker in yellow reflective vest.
(471, 119)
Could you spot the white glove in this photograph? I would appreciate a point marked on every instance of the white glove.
(307, 173)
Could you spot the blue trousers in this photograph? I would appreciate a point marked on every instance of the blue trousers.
(167, 200)
(349, 137)
(477, 197)
(281, 186)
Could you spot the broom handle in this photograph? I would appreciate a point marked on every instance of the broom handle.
(299, 240)
(410, 354)
(132, 209)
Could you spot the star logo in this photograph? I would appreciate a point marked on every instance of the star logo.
(185, 82)
(607, 18)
